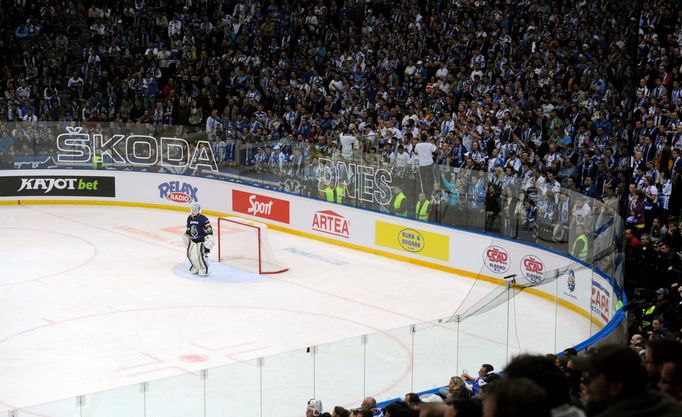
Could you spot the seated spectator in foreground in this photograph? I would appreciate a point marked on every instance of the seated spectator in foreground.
(659, 351)
(543, 371)
(314, 408)
(457, 389)
(616, 386)
(671, 377)
(369, 404)
(480, 380)
(470, 407)
(432, 410)
(340, 412)
(400, 409)
(413, 401)
(519, 397)
(638, 344)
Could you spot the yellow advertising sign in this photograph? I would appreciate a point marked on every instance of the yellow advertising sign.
(406, 239)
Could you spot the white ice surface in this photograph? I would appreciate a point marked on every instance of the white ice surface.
(97, 299)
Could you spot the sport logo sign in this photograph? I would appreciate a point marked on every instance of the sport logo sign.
(332, 223)
(496, 259)
(178, 192)
(260, 206)
(533, 269)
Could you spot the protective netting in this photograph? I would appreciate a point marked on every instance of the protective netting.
(245, 244)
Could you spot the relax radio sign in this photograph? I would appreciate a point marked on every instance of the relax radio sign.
(178, 192)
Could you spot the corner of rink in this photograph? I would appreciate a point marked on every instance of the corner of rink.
(221, 273)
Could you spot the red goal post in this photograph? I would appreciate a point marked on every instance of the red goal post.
(248, 247)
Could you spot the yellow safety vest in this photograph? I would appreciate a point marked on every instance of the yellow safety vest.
(330, 194)
(422, 213)
(584, 251)
(647, 316)
(396, 204)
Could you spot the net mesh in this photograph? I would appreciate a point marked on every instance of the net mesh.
(245, 244)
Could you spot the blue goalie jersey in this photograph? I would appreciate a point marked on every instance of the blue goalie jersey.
(198, 227)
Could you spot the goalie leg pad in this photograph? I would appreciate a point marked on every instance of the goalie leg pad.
(203, 269)
(195, 253)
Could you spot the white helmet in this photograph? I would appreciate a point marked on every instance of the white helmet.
(196, 209)
(315, 406)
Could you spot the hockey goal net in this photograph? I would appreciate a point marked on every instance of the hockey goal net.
(244, 244)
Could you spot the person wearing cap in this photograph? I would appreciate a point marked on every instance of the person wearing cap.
(615, 386)
(664, 308)
(314, 408)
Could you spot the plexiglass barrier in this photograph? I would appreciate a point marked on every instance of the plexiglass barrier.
(491, 325)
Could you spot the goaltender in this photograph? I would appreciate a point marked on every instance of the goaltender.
(199, 240)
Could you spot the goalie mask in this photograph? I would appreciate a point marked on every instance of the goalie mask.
(196, 210)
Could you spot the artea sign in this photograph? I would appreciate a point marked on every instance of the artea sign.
(331, 222)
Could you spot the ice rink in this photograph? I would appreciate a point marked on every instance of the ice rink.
(95, 297)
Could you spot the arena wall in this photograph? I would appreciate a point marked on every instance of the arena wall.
(556, 277)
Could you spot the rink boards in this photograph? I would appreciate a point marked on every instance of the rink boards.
(474, 255)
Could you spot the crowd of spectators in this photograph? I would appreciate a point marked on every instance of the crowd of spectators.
(643, 379)
(545, 101)
(576, 95)
(545, 116)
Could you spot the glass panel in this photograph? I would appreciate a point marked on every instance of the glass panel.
(64, 408)
(287, 383)
(388, 370)
(483, 337)
(339, 373)
(376, 364)
(176, 396)
(125, 401)
(234, 390)
(435, 355)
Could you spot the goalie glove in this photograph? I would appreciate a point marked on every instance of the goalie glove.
(185, 238)
(209, 241)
